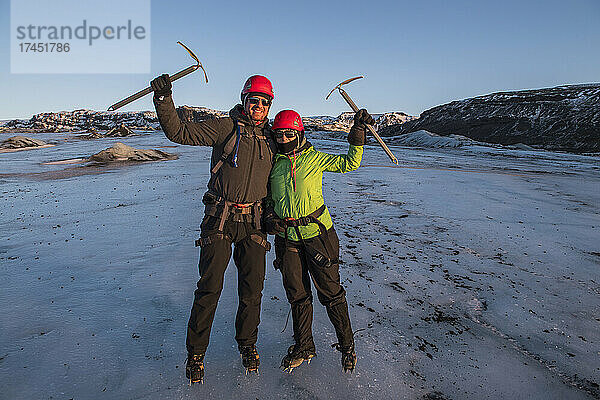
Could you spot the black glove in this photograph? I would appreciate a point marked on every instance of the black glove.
(273, 225)
(358, 132)
(161, 85)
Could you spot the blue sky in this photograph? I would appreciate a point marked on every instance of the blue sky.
(414, 54)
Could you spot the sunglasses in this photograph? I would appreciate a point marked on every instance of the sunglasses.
(259, 100)
(288, 133)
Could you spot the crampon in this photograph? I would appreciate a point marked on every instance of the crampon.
(250, 358)
(348, 356)
(194, 368)
(296, 356)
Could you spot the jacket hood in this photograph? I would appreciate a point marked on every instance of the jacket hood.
(305, 145)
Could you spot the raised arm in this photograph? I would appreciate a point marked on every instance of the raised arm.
(356, 138)
(205, 133)
(341, 162)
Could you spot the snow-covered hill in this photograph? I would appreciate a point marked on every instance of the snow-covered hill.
(343, 122)
(431, 140)
(561, 118)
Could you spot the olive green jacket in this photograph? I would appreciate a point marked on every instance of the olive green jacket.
(296, 184)
(246, 183)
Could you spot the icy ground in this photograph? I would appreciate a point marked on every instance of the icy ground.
(471, 273)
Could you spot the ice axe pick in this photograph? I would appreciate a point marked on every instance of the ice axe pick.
(172, 78)
(355, 108)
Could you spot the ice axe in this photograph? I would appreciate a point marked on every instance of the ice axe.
(172, 78)
(355, 108)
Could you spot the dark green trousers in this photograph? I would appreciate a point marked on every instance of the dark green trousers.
(215, 253)
(298, 269)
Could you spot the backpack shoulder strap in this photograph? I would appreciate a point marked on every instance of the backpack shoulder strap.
(230, 145)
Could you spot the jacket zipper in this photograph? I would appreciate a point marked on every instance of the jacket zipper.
(250, 166)
(293, 170)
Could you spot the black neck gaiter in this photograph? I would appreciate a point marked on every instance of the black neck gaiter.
(286, 148)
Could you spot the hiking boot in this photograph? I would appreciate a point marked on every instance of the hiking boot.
(348, 358)
(296, 355)
(250, 358)
(194, 368)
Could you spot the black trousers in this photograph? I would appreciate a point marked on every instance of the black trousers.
(298, 268)
(215, 253)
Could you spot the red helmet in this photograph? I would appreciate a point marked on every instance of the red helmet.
(288, 119)
(258, 84)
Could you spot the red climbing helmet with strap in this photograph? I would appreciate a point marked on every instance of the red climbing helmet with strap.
(288, 119)
(258, 84)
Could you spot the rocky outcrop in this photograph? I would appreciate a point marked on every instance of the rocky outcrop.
(324, 123)
(122, 152)
(89, 120)
(197, 114)
(391, 118)
(117, 131)
(563, 118)
(84, 120)
(20, 142)
(343, 122)
(93, 123)
(120, 131)
(92, 133)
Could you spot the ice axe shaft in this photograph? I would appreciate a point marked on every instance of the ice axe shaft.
(369, 127)
(172, 78)
(149, 90)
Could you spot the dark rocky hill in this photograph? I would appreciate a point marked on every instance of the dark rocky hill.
(565, 118)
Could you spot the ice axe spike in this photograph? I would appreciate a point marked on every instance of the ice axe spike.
(172, 78)
(355, 109)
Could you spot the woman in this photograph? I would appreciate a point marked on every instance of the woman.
(306, 245)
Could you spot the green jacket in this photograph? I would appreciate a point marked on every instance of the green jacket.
(307, 196)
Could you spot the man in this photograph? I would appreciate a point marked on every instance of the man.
(242, 156)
